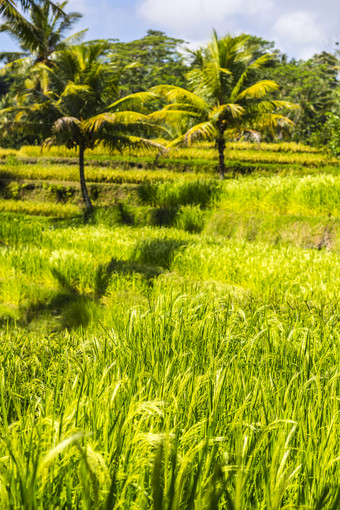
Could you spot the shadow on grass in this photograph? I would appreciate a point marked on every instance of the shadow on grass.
(120, 214)
(8, 188)
(124, 267)
(158, 252)
(70, 309)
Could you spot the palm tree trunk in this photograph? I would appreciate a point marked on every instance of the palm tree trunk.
(221, 164)
(86, 198)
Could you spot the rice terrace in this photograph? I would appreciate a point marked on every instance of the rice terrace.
(169, 271)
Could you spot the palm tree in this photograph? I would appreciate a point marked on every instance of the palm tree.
(42, 34)
(9, 9)
(10, 13)
(224, 97)
(78, 107)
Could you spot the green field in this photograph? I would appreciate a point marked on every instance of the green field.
(178, 348)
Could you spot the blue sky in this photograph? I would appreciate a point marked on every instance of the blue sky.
(299, 27)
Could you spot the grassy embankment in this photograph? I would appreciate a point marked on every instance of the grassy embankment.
(194, 366)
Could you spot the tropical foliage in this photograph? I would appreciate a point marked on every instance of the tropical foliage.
(230, 89)
(312, 84)
(223, 100)
(75, 104)
(334, 127)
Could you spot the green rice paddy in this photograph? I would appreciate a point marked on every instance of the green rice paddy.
(178, 349)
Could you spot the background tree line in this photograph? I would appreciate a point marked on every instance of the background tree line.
(158, 59)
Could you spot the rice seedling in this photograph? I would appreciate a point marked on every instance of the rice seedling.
(315, 232)
(173, 195)
(59, 151)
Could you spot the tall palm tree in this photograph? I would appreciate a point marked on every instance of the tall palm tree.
(9, 10)
(224, 97)
(40, 34)
(79, 106)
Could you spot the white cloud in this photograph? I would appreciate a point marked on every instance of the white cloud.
(299, 34)
(299, 27)
(192, 17)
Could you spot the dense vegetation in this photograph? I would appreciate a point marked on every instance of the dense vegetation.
(177, 346)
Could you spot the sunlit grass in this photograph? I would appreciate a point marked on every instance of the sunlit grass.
(39, 208)
(70, 173)
(290, 194)
(188, 367)
(202, 390)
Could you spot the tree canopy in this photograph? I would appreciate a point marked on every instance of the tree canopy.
(158, 60)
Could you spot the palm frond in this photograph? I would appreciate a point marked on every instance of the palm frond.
(207, 82)
(130, 117)
(270, 121)
(12, 57)
(103, 120)
(134, 100)
(218, 112)
(204, 130)
(272, 106)
(66, 123)
(67, 131)
(74, 38)
(120, 141)
(263, 59)
(175, 94)
(258, 90)
(285, 105)
(94, 124)
(172, 116)
(176, 142)
(73, 89)
(20, 29)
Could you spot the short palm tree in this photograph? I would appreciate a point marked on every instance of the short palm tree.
(79, 105)
(224, 97)
(42, 33)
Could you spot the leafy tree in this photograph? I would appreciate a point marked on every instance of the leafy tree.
(333, 125)
(312, 85)
(261, 47)
(159, 61)
(224, 99)
(79, 107)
